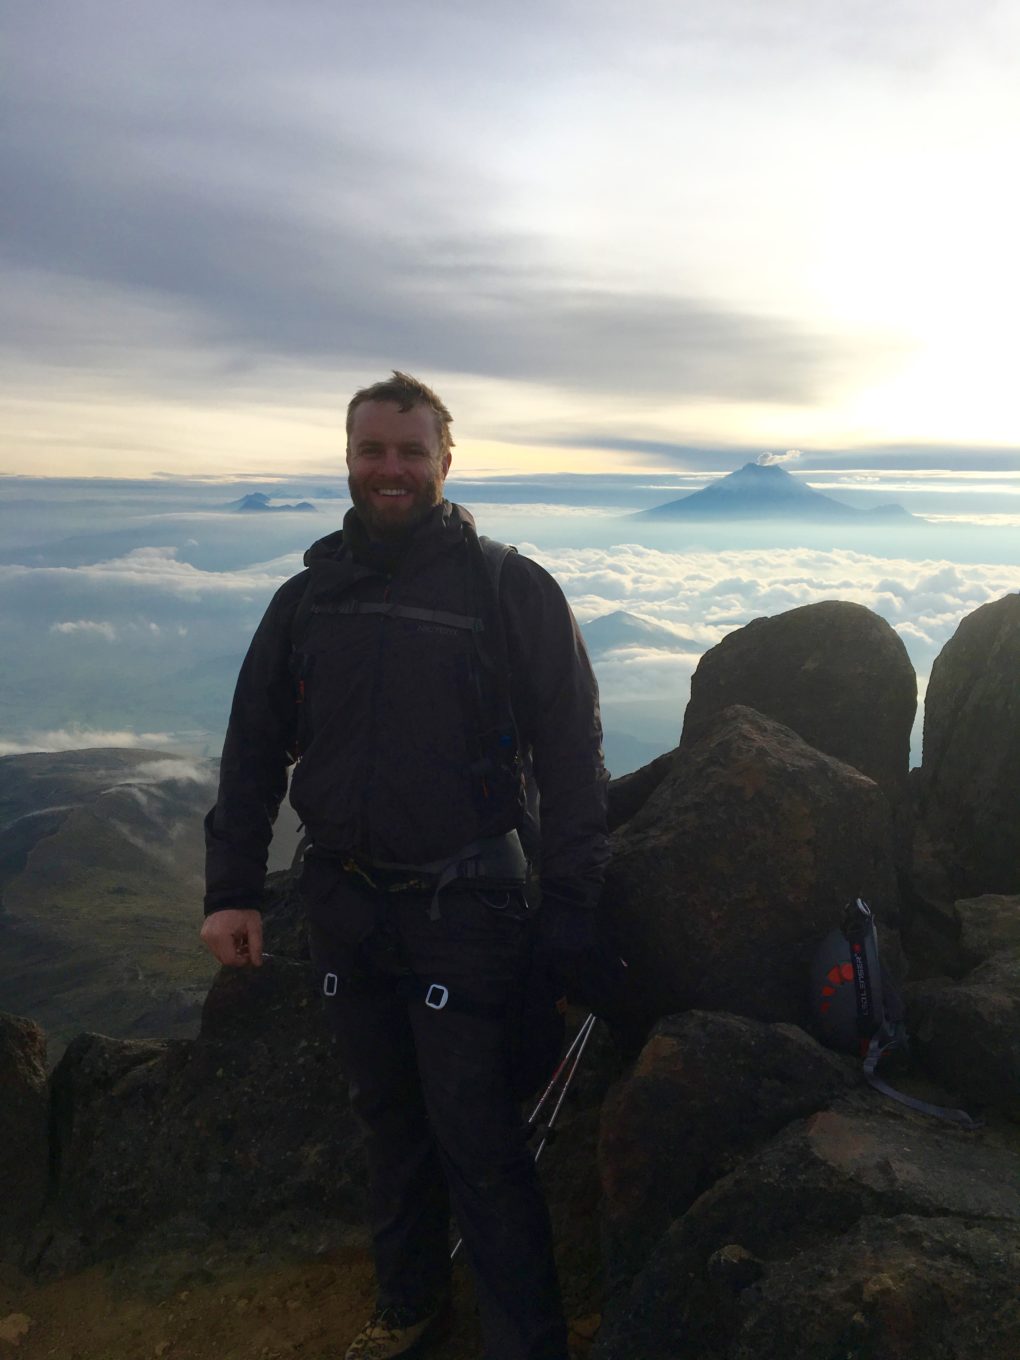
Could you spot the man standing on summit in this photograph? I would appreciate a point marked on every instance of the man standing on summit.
(414, 673)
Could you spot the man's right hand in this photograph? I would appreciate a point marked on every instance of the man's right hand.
(234, 937)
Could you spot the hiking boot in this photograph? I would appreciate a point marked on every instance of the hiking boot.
(397, 1331)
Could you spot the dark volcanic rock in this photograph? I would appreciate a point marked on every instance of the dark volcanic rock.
(930, 924)
(834, 672)
(988, 925)
(931, 1288)
(795, 1200)
(705, 1088)
(24, 1140)
(971, 764)
(630, 792)
(245, 1128)
(967, 1033)
(740, 863)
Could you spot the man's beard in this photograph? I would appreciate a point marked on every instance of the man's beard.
(385, 530)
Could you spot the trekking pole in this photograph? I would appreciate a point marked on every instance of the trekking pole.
(581, 1037)
(584, 1034)
(572, 1057)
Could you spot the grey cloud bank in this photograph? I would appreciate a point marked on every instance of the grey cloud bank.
(254, 204)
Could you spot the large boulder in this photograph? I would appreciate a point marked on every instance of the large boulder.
(24, 1136)
(898, 1287)
(718, 1274)
(834, 672)
(246, 1128)
(629, 793)
(987, 925)
(967, 1032)
(971, 758)
(706, 1088)
(739, 863)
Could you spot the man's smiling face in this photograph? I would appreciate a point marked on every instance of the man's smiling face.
(395, 466)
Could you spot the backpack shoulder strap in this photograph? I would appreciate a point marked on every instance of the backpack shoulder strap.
(494, 554)
(299, 623)
(492, 641)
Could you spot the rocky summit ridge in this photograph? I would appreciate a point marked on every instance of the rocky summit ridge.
(723, 1187)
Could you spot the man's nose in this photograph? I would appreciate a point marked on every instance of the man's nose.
(392, 464)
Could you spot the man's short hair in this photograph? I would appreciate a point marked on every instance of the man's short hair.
(405, 391)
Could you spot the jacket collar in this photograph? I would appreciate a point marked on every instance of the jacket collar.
(441, 530)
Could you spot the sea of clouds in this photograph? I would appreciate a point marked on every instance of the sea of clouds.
(126, 627)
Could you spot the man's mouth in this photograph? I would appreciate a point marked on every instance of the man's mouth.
(391, 491)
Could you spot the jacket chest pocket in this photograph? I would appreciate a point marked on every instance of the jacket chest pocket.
(357, 674)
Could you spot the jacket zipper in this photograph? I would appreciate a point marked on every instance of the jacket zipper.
(373, 732)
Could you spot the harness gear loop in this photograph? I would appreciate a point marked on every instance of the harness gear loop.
(498, 861)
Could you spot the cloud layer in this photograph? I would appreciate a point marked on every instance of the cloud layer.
(132, 634)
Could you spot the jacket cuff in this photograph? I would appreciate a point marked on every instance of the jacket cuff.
(233, 901)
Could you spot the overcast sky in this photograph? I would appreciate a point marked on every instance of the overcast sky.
(607, 232)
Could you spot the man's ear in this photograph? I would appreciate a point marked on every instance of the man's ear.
(447, 460)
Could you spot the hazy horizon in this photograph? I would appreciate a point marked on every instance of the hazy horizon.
(126, 608)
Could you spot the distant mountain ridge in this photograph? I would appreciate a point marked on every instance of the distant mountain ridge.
(258, 501)
(622, 629)
(101, 869)
(766, 491)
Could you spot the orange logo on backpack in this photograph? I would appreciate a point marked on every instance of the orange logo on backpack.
(837, 975)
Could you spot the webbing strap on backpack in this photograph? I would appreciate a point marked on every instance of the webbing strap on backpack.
(402, 611)
(880, 1013)
(857, 1008)
(875, 1050)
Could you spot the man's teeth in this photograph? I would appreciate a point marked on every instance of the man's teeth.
(391, 491)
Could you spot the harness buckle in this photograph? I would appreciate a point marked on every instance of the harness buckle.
(437, 996)
(330, 983)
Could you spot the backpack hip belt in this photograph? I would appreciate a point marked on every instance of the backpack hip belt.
(492, 861)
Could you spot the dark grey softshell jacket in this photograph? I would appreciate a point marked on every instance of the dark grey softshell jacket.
(387, 728)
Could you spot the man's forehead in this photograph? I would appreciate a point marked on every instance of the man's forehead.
(385, 420)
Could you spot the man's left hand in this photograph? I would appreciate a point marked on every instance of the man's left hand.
(575, 939)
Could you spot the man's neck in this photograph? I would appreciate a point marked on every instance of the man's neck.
(383, 554)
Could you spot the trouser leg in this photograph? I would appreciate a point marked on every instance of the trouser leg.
(409, 1211)
(432, 1091)
(490, 1171)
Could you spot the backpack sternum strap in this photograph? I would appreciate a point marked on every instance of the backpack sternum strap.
(403, 611)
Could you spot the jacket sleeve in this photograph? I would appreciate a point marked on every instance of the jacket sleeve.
(556, 705)
(258, 749)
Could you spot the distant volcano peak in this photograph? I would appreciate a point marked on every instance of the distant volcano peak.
(764, 491)
(260, 502)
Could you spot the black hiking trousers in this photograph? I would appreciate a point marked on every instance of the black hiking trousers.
(431, 1088)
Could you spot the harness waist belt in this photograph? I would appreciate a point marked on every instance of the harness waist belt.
(492, 859)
